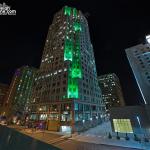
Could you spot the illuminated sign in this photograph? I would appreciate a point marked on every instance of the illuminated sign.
(122, 125)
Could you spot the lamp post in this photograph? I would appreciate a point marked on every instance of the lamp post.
(39, 110)
(139, 122)
(148, 39)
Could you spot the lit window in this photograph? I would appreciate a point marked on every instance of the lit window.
(60, 70)
(122, 125)
(55, 72)
(65, 69)
(60, 33)
(43, 116)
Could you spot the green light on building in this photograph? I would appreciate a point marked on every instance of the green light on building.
(67, 11)
(76, 73)
(77, 26)
(64, 96)
(68, 50)
(76, 64)
(76, 70)
(74, 12)
(72, 53)
(72, 88)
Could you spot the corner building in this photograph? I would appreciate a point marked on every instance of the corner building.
(66, 95)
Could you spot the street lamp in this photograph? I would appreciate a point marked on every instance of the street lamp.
(40, 109)
(139, 122)
(148, 38)
(138, 119)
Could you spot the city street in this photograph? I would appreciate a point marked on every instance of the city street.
(78, 142)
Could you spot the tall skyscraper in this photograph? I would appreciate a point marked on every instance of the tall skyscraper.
(111, 91)
(139, 59)
(66, 91)
(19, 92)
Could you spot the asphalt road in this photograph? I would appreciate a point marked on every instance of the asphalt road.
(11, 139)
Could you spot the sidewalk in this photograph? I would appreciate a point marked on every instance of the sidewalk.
(46, 136)
(114, 142)
(99, 135)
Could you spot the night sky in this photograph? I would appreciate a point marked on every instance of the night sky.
(114, 26)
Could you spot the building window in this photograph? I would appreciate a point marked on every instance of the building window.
(64, 81)
(122, 125)
(64, 89)
(65, 75)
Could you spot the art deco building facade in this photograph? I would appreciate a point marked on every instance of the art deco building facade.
(3, 92)
(111, 91)
(66, 91)
(19, 92)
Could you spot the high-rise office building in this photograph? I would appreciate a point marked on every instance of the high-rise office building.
(139, 59)
(111, 91)
(66, 92)
(3, 92)
(19, 92)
